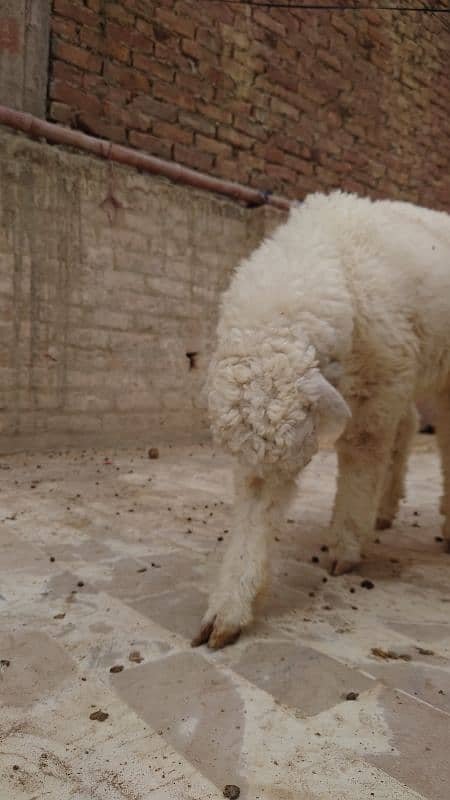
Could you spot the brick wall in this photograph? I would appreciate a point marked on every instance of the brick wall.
(108, 279)
(286, 100)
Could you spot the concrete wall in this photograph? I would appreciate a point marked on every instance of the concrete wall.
(24, 41)
(108, 279)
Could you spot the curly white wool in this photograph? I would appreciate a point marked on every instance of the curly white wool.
(329, 331)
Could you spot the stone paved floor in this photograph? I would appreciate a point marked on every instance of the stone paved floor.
(105, 561)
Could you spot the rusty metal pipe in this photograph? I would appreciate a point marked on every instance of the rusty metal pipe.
(33, 126)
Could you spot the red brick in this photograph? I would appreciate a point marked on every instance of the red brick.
(264, 19)
(315, 35)
(284, 77)
(240, 107)
(329, 59)
(197, 123)
(213, 146)
(270, 153)
(193, 49)
(153, 68)
(171, 55)
(373, 17)
(224, 13)
(155, 108)
(79, 13)
(142, 42)
(125, 76)
(217, 113)
(308, 92)
(73, 97)
(61, 113)
(251, 162)
(298, 164)
(239, 73)
(119, 14)
(173, 133)
(194, 85)
(144, 8)
(144, 27)
(370, 180)
(262, 115)
(164, 36)
(209, 39)
(180, 24)
(193, 158)
(151, 144)
(193, 11)
(67, 73)
(234, 37)
(96, 126)
(282, 173)
(279, 14)
(94, 84)
(304, 186)
(261, 99)
(66, 28)
(285, 109)
(252, 129)
(76, 55)
(291, 145)
(356, 129)
(271, 90)
(288, 54)
(129, 118)
(173, 94)
(328, 178)
(234, 137)
(92, 38)
(306, 131)
(217, 78)
(267, 50)
(118, 51)
(345, 23)
(129, 36)
(232, 170)
(252, 62)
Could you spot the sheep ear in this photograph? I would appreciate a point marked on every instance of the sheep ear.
(331, 411)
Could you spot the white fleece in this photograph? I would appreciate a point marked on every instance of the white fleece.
(332, 327)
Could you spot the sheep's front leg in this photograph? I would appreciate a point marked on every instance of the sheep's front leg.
(364, 453)
(258, 504)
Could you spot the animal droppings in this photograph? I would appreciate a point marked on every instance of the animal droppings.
(387, 655)
(135, 656)
(99, 715)
(231, 791)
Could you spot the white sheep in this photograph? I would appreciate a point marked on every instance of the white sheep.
(328, 332)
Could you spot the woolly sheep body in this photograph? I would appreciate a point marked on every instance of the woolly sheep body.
(346, 308)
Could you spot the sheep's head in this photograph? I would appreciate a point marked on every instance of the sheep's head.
(262, 412)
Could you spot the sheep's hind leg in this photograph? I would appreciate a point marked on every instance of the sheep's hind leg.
(394, 481)
(364, 452)
(259, 502)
